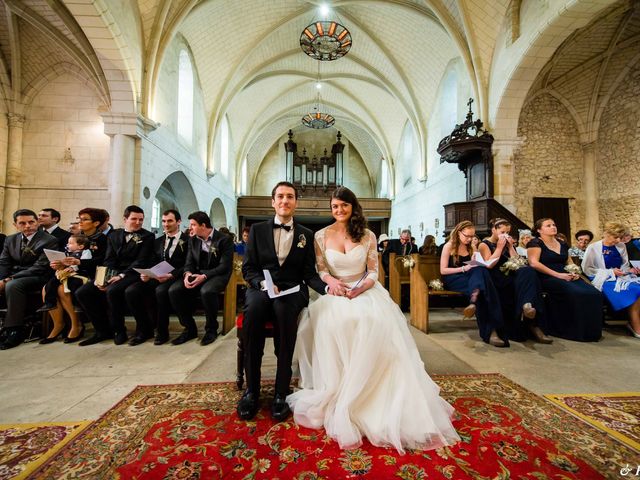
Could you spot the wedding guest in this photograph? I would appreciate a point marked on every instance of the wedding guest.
(241, 247)
(518, 289)
(574, 308)
(475, 243)
(206, 272)
(58, 291)
(475, 282)
(524, 237)
(127, 248)
(607, 264)
(429, 246)
(170, 247)
(632, 245)
(106, 228)
(401, 247)
(24, 268)
(74, 227)
(583, 239)
(383, 242)
(360, 370)
(48, 220)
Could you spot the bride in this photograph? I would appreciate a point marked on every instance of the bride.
(361, 374)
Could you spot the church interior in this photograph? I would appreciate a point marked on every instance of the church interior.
(204, 105)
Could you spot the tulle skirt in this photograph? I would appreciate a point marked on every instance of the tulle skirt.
(361, 375)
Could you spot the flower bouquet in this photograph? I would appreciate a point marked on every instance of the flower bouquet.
(406, 261)
(573, 268)
(513, 264)
(436, 284)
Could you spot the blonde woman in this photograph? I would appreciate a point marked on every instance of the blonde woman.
(473, 281)
(607, 264)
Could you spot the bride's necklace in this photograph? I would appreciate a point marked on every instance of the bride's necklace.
(342, 234)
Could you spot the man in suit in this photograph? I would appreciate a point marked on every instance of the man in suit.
(127, 248)
(171, 247)
(401, 247)
(206, 271)
(24, 268)
(285, 249)
(48, 219)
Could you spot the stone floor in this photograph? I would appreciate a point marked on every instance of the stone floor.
(58, 382)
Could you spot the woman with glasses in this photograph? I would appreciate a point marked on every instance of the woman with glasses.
(606, 262)
(475, 282)
(574, 307)
(519, 290)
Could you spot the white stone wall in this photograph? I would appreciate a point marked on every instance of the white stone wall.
(619, 155)
(4, 131)
(549, 162)
(64, 115)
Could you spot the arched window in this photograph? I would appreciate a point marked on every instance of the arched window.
(384, 179)
(155, 214)
(185, 97)
(224, 147)
(243, 178)
(449, 103)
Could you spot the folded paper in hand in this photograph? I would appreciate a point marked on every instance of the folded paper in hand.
(54, 255)
(478, 261)
(268, 281)
(635, 263)
(157, 270)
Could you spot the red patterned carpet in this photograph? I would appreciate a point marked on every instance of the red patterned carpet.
(23, 447)
(191, 432)
(618, 414)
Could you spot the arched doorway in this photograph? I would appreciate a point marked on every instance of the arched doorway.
(218, 214)
(174, 192)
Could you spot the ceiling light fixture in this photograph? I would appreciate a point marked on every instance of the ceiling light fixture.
(325, 40)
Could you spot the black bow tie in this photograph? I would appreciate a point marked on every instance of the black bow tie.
(285, 227)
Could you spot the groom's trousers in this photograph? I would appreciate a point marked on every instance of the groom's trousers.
(283, 312)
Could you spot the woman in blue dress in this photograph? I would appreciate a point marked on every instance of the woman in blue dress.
(607, 264)
(574, 307)
(475, 282)
(519, 290)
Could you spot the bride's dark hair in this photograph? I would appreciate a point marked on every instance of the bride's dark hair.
(357, 223)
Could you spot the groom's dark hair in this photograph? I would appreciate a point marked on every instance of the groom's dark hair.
(283, 184)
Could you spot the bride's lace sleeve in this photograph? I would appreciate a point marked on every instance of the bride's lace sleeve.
(321, 264)
(372, 255)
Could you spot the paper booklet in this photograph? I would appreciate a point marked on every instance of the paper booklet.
(477, 260)
(154, 272)
(54, 255)
(270, 286)
(635, 263)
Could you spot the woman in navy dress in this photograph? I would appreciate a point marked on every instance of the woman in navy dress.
(574, 307)
(607, 264)
(475, 282)
(519, 290)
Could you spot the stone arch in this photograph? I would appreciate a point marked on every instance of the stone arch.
(176, 192)
(218, 214)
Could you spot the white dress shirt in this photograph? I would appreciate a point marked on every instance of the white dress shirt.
(282, 240)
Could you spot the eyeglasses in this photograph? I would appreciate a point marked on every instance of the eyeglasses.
(85, 220)
(466, 236)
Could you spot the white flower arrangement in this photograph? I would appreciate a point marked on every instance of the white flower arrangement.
(302, 241)
(573, 269)
(513, 264)
(407, 261)
(436, 284)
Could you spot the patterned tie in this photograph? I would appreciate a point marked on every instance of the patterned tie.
(167, 250)
(23, 242)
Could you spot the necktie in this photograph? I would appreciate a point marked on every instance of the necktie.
(167, 250)
(23, 242)
(286, 228)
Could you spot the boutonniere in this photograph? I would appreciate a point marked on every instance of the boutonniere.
(213, 251)
(302, 241)
(136, 238)
(181, 244)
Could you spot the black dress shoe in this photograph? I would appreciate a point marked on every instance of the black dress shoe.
(14, 338)
(248, 405)
(138, 340)
(46, 341)
(280, 408)
(185, 336)
(161, 338)
(96, 338)
(120, 337)
(209, 337)
(76, 338)
(46, 307)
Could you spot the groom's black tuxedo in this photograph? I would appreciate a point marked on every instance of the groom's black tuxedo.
(297, 269)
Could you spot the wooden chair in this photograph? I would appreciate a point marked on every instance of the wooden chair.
(231, 295)
(398, 276)
(426, 268)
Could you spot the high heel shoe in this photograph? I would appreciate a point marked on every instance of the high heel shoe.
(539, 335)
(632, 331)
(48, 340)
(76, 338)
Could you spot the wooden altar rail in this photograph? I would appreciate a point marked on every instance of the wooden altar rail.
(425, 269)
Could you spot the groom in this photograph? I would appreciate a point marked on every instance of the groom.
(285, 249)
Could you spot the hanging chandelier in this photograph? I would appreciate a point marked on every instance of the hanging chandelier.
(325, 40)
(318, 120)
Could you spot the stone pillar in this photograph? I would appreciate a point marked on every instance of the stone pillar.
(121, 173)
(14, 168)
(590, 186)
(504, 171)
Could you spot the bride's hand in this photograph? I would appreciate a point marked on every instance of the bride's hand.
(354, 292)
(336, 287)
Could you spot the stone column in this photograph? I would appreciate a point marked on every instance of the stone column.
(590, 186)
(14, 168)
(504, 171)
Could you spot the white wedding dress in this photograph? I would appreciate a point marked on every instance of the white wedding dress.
(361, 374)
